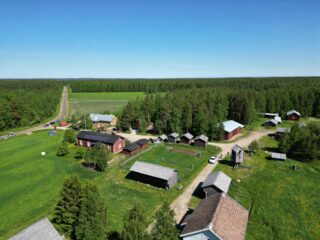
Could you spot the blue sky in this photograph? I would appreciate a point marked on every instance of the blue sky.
(96, 38)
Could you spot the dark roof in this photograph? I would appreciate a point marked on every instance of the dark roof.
(98, 137)
(131, 147)
(219, 180)
(41, 230)
(220, 214)
(153, 170)
(142, 141)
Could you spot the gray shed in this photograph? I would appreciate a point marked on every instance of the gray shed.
(237, 154)
(154, 174)
(186, 138)
(216, 182)
(41, 230)
(173, 137)
(163, 137)
(279, 156)
(201, 141)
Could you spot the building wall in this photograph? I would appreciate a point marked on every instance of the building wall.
(115, 148)
(119, 145)
(130, 153)
(209, 191)
(293, 117)
(173, 180)
(230, 135)
(204, 235)
(172, 139)
(200, 143)
(185, 140)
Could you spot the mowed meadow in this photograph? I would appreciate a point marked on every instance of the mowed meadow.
(30, 183)
(33, 181)
(99, 102)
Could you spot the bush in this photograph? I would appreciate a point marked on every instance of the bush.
(79, 154)
(62, 149)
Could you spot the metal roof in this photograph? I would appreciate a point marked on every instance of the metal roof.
(271, 114)
(281, 156)
(98, 137)
(188, 136)
(101, 117)
(283, 130)
(219, 180)
(174, 135)
(220, 214)
(163, 137)
(293, 112)
(278, 119)
(41, 230)
(275, 122)
(236, 148)
(231, 125)
(202, 137)
(153, 170)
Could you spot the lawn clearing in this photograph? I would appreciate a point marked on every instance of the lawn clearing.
(283, 204)
(83, 103)
(30, 183)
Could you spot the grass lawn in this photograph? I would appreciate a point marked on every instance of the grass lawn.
(283, 204)
(30, 183)
(82, 103)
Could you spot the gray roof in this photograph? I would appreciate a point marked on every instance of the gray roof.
(271, 114)
(293, 112)
(278, 119)
(283, 130)
(101, 117)
(163, 137)
(231, 125)
(153, 170)
(275, 122)
(281, 156)
(188, 136)
(174, 135)
(41, 230)
(236, 148)
(218, 179)
(202, 137)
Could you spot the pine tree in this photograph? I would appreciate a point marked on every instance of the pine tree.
(70, 136)
(67, 209)
(92, 220)
(134, 225)
(62, 149)
(165, 226)
(127, 117)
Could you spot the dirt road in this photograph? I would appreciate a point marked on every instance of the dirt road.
(62, 114)
(180, 204)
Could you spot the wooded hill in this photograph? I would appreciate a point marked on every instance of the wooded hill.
(27, 102)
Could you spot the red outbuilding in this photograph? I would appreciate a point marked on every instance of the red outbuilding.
(231, 128)
(293, 115)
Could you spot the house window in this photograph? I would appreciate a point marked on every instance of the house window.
(81, 142)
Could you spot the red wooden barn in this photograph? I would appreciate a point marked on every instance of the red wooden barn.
(293, 115)
(114, 143)
(231, 128)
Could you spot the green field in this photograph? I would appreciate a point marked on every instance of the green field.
(284, 204)
(82, 103)
(32, 182)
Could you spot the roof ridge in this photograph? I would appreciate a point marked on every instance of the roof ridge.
(215, 213)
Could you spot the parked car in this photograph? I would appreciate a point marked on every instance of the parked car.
(52, 123)
(213, 160)
(46, 125)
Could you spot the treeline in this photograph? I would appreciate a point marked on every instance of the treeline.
(24, 103)
(302, 143)
(81, 214)
(164, 85)
(200, 111)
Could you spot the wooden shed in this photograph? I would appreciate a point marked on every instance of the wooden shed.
(271, 123)
(143, 143)
(216, 182)
(131, 149)
(173, 137)
(153, 174)
(293, 115)
(237, 155)
(201, 141)
(186, 138)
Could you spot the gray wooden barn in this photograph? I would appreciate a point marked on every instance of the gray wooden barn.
(216, 182)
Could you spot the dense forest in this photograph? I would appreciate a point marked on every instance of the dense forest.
(164, 85)
(201, 110)
(26, 102)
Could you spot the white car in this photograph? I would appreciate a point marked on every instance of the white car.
(212, 160)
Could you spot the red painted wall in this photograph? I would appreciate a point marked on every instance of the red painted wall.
(115, 148)
(293, 117)
(232, 134)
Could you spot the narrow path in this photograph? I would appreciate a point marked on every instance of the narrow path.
(63, 112)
